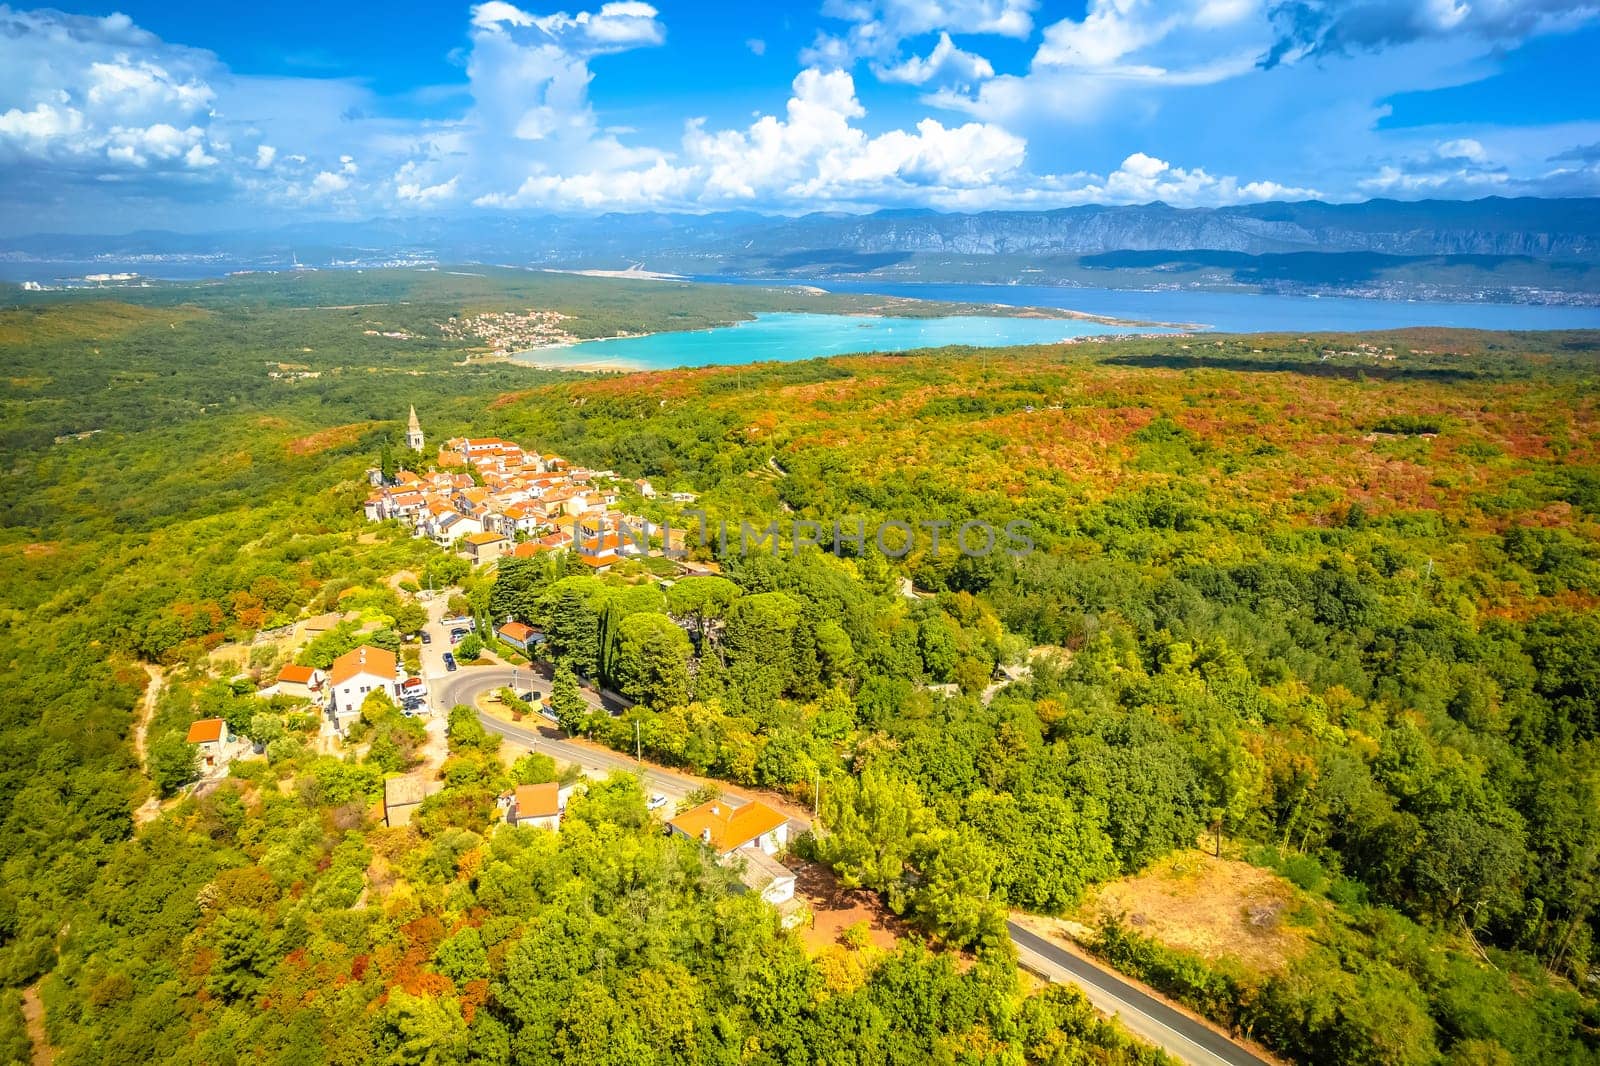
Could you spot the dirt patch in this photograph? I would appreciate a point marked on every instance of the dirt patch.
(33, 1016)
(333, 437)
(1215, 908)
(835, 908)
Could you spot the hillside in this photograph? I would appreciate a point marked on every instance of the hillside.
(1327, 603)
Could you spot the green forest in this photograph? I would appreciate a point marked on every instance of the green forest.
(1325, 605)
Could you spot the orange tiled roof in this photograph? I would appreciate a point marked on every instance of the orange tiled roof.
(297, 675)
(483, 538)
(538, 801)
(205, 731)
(364, 660)
(516, 631)
(731, 827)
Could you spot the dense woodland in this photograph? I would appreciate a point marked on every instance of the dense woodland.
(1324, 603)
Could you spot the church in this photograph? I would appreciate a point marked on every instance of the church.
(414, 439)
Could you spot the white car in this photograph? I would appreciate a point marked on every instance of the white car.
(657, 802)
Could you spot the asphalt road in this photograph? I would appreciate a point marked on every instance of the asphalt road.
(1141, 1013)
(469, 682)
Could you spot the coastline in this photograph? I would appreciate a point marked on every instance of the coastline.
(550, 356)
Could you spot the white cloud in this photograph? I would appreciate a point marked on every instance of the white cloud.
(813, 154)
(92, 100)
(1143, 178)
(1084, 67)
(1338, 27)
(1464, 148)
(95, 107)
(879, 27)
(946, 65)
(409, 189)
(757, 46)
(910, 18)
(1461, 166)
(327, 183)
(38, 128)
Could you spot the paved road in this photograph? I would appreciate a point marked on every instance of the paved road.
(1142, 1014)
(466, 684)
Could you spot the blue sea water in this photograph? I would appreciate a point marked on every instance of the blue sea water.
(783, 336)
(1233, 312)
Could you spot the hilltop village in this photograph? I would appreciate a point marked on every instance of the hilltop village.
(491, 498)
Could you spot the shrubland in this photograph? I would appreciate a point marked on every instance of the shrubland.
(1328, 604)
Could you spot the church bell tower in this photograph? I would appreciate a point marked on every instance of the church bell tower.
(414, 432)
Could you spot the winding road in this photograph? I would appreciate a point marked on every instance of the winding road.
(1145, 1016)
(469, 682)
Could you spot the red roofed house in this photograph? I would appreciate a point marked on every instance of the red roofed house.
(210, 735)
(355, 675)
(725, 828)
(535, 805)
(751, 837)
(301, 682)
(519, 635)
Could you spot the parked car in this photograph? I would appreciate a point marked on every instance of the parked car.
(427, 638)
(458, 635)
(449, 661)
(657, 802)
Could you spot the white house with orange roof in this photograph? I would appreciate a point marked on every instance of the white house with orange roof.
(565, 501)
(211, 736)
(521, 517)
(357, 674)
(748, 837)
(404, 504)
(301, 682)
(538, 806)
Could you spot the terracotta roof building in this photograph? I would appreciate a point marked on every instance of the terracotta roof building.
(356, 674)
(536, 805)
(726, 828)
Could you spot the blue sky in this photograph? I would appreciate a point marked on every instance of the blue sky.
(188, 115)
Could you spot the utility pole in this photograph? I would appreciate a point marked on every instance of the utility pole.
(638, 750)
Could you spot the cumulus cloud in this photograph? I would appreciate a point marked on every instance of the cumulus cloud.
(1083, 66)
(99, 107)
(1461, 166)
(94, 93)
(879, 29)
(815, 153)
(1143, 178)
(946, 64)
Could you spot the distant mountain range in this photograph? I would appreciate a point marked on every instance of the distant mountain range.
(1495, 248)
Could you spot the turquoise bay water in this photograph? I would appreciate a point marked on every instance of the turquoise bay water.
(784, 336)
